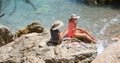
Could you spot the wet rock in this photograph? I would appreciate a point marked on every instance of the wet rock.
(112, 31)
(34, 27)
(101, 2)
(91, 2)
(111, 54)
(6, 35)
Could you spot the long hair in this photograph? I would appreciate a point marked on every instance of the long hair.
(51, 29)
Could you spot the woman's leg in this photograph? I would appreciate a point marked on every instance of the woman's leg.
(83, 35)
(86, 32)
(89, 35)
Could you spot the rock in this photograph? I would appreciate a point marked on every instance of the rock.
(32, 48)
(6, 35)
(117, 38)
(91, 2)
(34, 27)
(110, 55)
(19, 48)
(8, 61)
(101, 2)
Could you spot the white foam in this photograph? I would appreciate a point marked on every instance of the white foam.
(100, 47)
(107, 24)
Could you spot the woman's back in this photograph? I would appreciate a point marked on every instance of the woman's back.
(54, 34)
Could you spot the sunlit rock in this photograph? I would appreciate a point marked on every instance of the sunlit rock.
(110, 55)
(34, 27)
(32, 48)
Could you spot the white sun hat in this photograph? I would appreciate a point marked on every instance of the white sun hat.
(75, 16)
(57, 25)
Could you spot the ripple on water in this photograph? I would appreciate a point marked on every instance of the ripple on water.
(48, 11)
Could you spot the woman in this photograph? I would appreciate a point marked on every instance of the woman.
(75, 32)
(56, 35)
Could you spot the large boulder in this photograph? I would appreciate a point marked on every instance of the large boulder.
(32, 48)
(110, 55)
(31, 28)
(6, 35)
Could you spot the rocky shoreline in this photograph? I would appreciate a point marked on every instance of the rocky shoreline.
(32, 48)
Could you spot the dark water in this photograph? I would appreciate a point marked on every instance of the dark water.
(94, 19)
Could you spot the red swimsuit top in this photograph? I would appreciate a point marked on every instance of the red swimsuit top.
(71, 30)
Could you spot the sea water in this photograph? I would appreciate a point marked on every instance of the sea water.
(93, 18)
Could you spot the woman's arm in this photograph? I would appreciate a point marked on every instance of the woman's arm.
(60, 37)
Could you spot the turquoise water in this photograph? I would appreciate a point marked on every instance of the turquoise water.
(94, 19)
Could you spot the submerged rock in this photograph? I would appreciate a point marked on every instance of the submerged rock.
(91, 1)
(101, 2)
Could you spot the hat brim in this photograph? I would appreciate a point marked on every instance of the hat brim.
(76, 17)
(60, 25)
